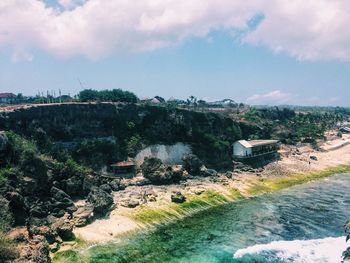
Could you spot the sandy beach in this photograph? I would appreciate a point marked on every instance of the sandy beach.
(293, 160)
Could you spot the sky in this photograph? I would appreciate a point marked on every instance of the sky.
(254, 51)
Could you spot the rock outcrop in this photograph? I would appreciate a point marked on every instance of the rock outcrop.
(100, 200)
(158, 173)
(192, 164)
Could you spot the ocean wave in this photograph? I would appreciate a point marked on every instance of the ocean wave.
(326, 250)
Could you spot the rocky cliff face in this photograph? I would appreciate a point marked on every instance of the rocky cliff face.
(209, 134)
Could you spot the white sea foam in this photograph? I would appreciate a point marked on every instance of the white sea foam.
(327, 250)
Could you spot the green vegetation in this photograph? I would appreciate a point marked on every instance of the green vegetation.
(194, 203)
(274, 184)
(8, 248)
(115, 95)
(96, 153)
(68, 169)
(134, 145)
(69, 256)
(290, 126)
(72, 255)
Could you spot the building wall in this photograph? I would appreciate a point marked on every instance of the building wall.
(6, 100)
(240, 150)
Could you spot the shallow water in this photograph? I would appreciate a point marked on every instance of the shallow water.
(299, 224)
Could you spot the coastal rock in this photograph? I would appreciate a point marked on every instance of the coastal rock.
(64, 229)
(36, 251)
(73, 186)
(47, 232)
(158, 173)
(54, 247)
(58, 194)
(178, 197)
(18, 207)
(150, 166)
(61, 202)
(100, 200)
(131, 203)
(83, 215)
(192, 164)
(105, 187)
(28, 186)
(150, 196)
(89, 182)
(205, 172)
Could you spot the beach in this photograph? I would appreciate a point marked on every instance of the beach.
(227, 186)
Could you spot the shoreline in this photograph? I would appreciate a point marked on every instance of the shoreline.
(204, 193)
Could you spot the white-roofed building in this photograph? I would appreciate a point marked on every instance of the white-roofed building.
(249, 149)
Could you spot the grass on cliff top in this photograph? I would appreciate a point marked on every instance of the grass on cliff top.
(193, 203)
(274, 184)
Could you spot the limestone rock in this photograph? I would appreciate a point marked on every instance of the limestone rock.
(192, 164)
(158, 173)
(100, 200)
(64, 229)
(205, 172)
(130, 203)
(83, 215)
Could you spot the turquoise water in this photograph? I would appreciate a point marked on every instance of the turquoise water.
(299, 224)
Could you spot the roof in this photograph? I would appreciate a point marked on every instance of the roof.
(254, 143)
(7, 95)
(123, 164)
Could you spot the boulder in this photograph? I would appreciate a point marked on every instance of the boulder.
(114, 186)
(130, 203)
(150, 165)
(83, 215)
(37, 211)
(207, 172)
(64, 229)
(18, 207)
(158, 173)
(61, 203)
(178, 197)
(58, 194)
(150, 196)
(100, 200)
(192, 164)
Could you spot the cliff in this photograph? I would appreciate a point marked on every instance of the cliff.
(130, 126)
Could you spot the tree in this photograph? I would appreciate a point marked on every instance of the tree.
(88, 95)
(115, 95)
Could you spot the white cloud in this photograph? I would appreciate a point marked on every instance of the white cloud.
(308, 30)
(273, 97)
(69, 4)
